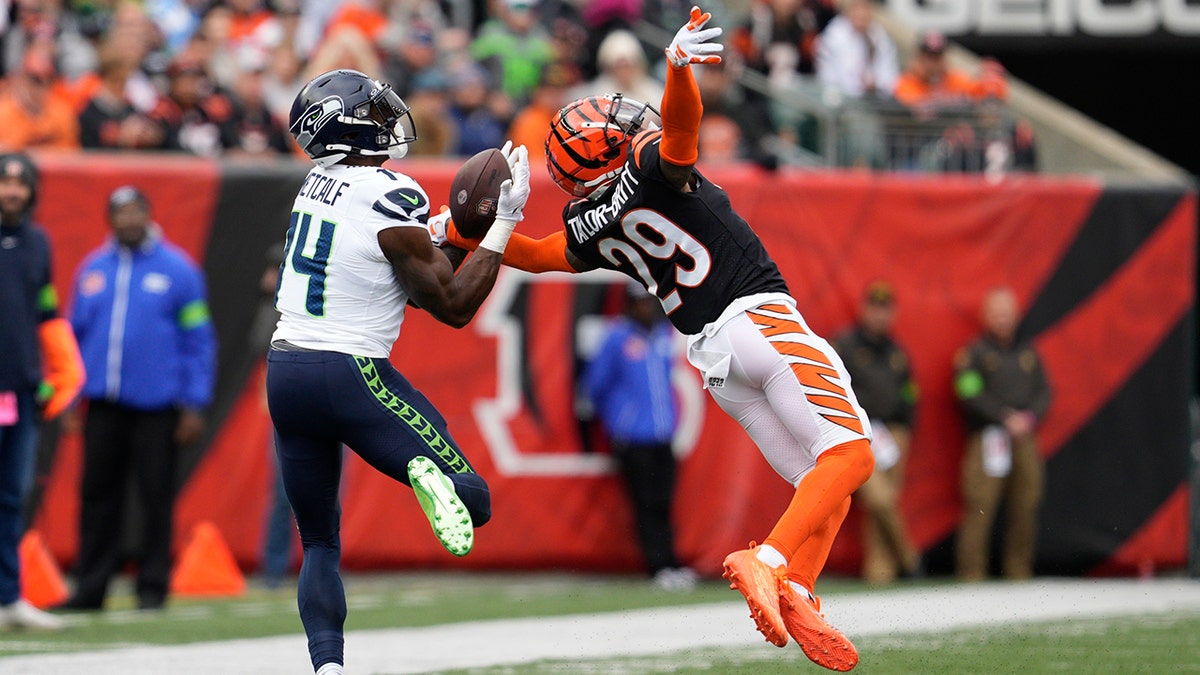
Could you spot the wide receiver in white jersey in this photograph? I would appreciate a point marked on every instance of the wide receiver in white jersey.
(358, 250)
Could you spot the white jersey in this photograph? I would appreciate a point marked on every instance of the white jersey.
(337, 291)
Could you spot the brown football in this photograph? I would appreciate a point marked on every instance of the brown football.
(475, 191)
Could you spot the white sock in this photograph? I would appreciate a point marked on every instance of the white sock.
(800, 590)
(771, 556)
(330, 668)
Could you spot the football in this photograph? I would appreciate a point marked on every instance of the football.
(475, 192)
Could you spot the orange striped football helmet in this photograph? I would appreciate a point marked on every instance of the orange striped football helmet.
(589, 140)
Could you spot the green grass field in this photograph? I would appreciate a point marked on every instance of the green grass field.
(1156, 644)
(1145, 644)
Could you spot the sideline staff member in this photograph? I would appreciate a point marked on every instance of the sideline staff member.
(32, 384)
(881, 376)
(141, 317)
(1003, 391)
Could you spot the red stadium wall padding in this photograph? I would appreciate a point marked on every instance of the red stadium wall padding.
(73, 201)
(1095, 348)
(233, 482)
(504, 383)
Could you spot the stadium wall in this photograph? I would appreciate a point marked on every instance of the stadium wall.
(1104, 272)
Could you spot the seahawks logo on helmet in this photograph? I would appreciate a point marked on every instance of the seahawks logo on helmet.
(315, 117)
(344, 112)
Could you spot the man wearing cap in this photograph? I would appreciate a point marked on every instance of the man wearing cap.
(40, 371)
(882, 380)
(140, 315)
(929, 82)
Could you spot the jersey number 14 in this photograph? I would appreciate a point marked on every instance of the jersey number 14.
(311, 266)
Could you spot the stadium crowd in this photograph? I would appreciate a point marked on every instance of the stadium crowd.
(217, 77)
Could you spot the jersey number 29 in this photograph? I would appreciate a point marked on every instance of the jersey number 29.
(669, 240)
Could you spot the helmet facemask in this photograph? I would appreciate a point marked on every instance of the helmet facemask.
(389, 112)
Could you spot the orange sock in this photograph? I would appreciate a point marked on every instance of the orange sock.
(840, 470)
(806, 565)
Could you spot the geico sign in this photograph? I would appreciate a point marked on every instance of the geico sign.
(1115, 18)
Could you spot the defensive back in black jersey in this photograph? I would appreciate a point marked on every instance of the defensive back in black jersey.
(690, 249)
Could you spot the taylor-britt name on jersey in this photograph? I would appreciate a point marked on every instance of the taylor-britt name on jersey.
(588, 223)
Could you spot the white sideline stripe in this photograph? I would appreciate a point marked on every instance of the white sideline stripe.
(634, 633)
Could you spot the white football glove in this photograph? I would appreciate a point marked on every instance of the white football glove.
(437, 227)
(514, 192)
(691, 43)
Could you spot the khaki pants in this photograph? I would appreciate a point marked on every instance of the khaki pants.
(981, 496)
(887, 549)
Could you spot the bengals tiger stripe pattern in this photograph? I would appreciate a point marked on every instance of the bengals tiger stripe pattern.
(813, 368)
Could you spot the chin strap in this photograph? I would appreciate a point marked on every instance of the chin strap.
(398, 151)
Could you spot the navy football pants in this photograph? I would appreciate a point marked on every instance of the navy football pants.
(318, 401)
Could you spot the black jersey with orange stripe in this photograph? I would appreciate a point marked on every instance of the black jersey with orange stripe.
(690, 249)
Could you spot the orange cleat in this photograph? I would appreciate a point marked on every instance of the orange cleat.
(823, 644)
(760, 584)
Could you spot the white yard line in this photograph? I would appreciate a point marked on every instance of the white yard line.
(633, 633)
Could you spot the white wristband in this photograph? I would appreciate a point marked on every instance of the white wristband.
(497, 236)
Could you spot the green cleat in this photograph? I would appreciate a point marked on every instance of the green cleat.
(445, 511)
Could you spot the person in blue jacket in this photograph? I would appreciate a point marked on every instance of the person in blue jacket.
(629, 385)
(142, 322)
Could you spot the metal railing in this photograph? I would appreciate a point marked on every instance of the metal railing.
(885, 135)
(817, 126)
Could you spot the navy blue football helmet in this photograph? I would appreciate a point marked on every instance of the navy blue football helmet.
(345, 112)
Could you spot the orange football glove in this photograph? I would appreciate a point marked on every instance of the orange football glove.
(64, 374)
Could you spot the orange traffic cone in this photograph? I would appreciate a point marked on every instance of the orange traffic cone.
(207, 566)
(41, 581)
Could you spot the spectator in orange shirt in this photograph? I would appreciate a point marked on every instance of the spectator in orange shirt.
(980, 140)
(254, 24)
(530, 126)
(32, 114)
(365, 16)
(348, 42)
(130, 35)
(929, 83)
